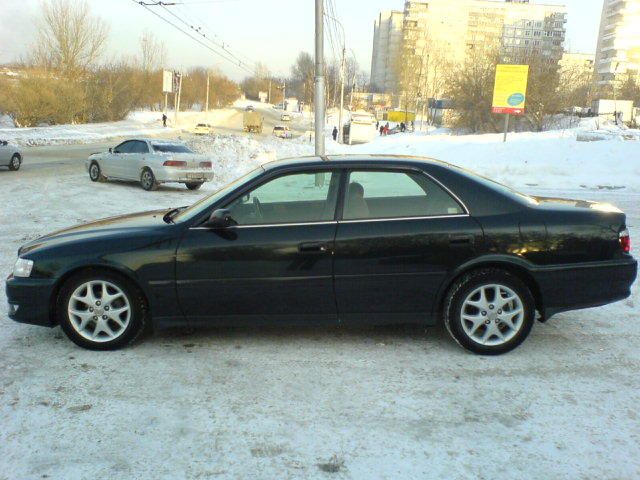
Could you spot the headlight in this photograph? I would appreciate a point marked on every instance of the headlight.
(22, 267)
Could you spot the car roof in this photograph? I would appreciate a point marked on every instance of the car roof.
(356, 160)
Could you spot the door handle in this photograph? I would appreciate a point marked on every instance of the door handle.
(312, 247)
(461, 240)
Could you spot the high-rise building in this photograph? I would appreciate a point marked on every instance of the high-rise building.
(453, 29)
(618, 51)
(387, 45)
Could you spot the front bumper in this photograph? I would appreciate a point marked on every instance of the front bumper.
(574, 287)
(182, 175)
(30, 300)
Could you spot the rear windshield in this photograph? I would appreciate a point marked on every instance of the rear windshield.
(170, 148)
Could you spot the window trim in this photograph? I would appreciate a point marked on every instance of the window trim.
(405, 170)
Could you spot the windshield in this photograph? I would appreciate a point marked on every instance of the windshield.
(205, 202)
(171, 148)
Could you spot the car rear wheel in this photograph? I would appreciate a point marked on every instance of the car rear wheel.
(489, 311)
(15, 163)
(100, 311)
(95, 174)
(148, 180)
(193, 185)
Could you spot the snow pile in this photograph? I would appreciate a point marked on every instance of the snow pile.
(6, 122)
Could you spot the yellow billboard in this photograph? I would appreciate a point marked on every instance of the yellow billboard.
(510, 91)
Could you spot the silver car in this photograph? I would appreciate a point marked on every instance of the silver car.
(151, 162)
(10, 156)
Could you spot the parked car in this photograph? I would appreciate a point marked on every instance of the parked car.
(285, 117)
(151, 162)
(250, 108)
(281, 131)
(10, 155)
(342, 240)
(203, 129)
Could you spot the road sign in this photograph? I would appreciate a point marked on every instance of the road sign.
(509, 93)
(167, 81)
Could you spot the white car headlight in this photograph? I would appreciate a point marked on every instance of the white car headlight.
(22, 267)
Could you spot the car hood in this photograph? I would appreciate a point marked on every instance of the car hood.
(104, 228)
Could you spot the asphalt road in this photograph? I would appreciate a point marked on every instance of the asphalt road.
(56, 156)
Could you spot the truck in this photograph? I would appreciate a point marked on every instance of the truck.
(361, 128)
(252, 121)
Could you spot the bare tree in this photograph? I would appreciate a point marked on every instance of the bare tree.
(153, 53)
(69, 38)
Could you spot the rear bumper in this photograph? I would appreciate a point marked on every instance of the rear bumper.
(30, 300)
(179, 175)
(565, 288)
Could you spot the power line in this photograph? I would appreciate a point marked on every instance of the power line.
(146, 6)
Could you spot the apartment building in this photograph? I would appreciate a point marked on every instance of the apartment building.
(618, 51)
(453, 28)
(387, 45)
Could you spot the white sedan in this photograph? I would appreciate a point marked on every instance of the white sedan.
(10, 156)
(151, 162)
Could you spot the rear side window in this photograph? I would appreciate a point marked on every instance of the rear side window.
(393, 194)
(139, 147)
(170, 148)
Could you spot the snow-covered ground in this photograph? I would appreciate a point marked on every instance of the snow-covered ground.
(383, 403)
(139, 123)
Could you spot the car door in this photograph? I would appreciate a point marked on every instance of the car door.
(5, 153)
(132, 166)
(275, 265)
(112, 162)
(400, 233)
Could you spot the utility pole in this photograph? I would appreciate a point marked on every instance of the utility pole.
(269, 97)
(206, 108)
(319, 79)
(284, 95)
(340, 127)
(177, 99)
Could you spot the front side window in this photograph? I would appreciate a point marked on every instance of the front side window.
(387, 194)
(293, 198)
(124, 147)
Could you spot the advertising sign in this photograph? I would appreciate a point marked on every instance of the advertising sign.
(509, 93)
(167, 81)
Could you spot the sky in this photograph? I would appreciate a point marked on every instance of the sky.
(258, 30)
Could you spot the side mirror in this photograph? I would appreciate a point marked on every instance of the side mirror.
(110, 150)
(220, 219)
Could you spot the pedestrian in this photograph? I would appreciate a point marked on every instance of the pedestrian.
(377, 124)
(334, 134)
(402, 127)
(386, 129)
(381, 130)
(164, 119)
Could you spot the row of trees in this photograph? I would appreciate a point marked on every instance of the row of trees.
(300, 83)
(65, 79)
(552, 88)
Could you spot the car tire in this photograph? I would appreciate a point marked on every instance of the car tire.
(489, 311)
(193, 185)
(101, 310)
(15, 162)
(148, 180)
(95, 173)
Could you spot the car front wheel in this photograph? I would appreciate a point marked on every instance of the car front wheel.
(95, 174)
(15, 163)
(148, 180)
(100, 311)
(489, 311)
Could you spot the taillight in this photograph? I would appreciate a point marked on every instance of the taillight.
(175, 163)
(625, 240)
(205, 164)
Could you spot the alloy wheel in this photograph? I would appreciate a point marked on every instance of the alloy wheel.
(492, 314)
(99, 311)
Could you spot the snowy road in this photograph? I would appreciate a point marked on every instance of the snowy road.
(384, 403)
